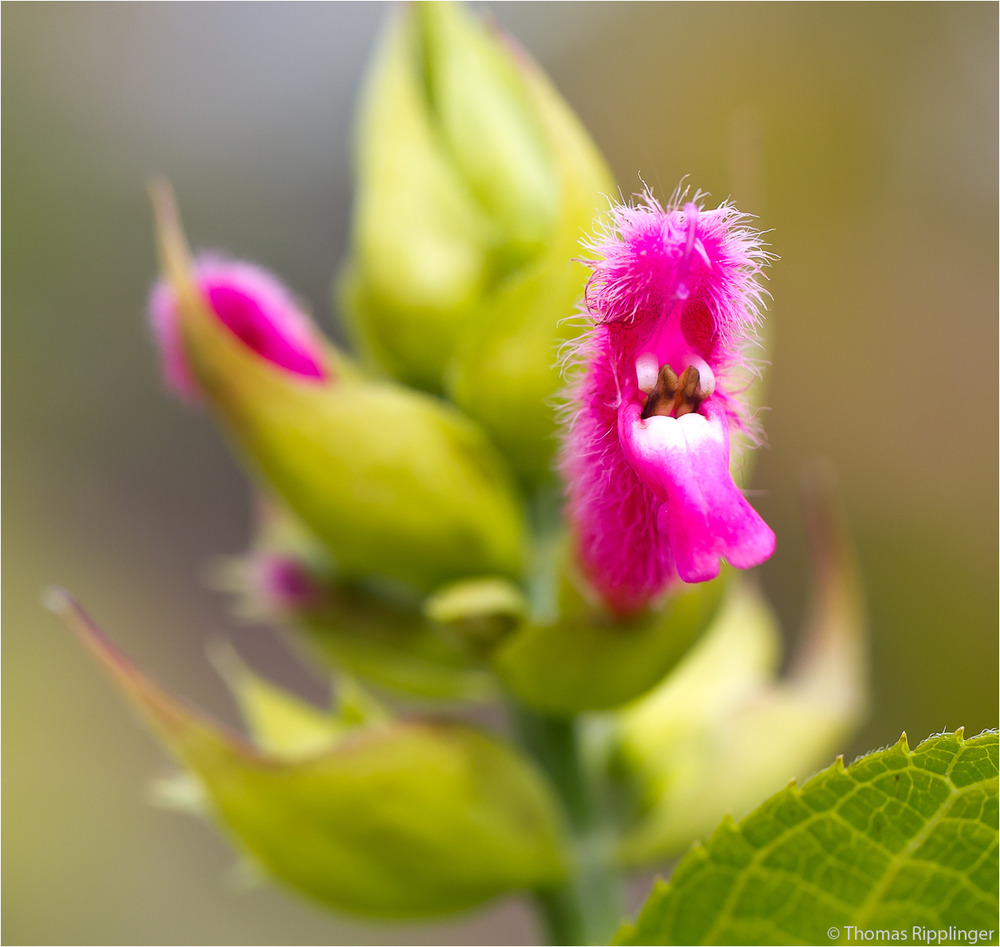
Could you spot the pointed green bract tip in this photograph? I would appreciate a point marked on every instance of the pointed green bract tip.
(280, 723)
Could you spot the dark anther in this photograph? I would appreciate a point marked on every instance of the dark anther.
(688, 395)
(660, 399)
(673, 396)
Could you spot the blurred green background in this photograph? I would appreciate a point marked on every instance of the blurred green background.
(863, 136)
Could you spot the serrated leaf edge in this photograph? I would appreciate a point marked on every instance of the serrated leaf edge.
(699, 850)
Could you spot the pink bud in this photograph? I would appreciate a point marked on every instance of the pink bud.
(674, 299)
(253, 305)
(283, 584)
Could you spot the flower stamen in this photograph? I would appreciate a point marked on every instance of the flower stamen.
(674, 397)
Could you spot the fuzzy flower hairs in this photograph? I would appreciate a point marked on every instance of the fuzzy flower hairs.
(673, 300)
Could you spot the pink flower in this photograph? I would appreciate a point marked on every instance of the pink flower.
(674, 299)
(252, 304)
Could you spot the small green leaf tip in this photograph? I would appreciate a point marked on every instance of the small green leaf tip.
(475, 184)
(397, 818)
(899, 840)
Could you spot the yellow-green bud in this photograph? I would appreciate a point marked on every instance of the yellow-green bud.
(475, 184)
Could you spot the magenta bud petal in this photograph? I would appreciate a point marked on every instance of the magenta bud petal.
(254, 306)
(674, 300)
(285, 585)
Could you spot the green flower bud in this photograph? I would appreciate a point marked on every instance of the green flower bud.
(394, 483)
(482, 612)
(386, 818)
(475, 184)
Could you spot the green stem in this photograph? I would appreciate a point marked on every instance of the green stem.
(587, 908)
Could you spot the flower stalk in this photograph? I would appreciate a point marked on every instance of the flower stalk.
(589, 905)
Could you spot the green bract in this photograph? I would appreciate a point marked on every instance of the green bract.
(393, 482)
(585, 660)
(723, 730)
(377, 816)
(898, 839)
(393, 646)
(475, 184)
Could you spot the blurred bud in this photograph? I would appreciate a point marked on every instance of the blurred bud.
(483, 612)
(394, 645)
(475, 183)
(386, 818)
(393, 483)
(724, 731)
(392, 641)
(283, 575)
(254, 306)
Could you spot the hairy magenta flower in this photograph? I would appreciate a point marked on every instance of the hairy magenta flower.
(253, 305)
(674, 299)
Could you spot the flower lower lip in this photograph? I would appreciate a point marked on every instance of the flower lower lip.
(704, 516)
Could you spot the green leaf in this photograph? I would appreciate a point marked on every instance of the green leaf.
(399, 818)
(898, 839)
